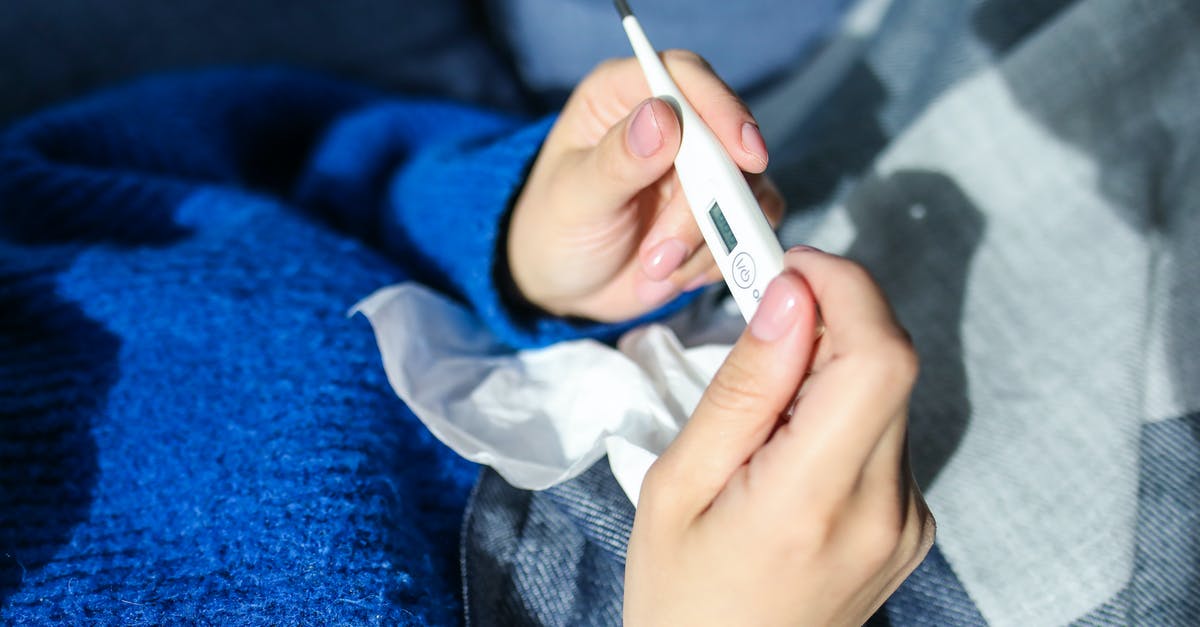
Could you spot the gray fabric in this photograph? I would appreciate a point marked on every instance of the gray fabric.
(1021, 179)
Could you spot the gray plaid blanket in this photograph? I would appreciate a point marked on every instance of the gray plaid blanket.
(1023, 178)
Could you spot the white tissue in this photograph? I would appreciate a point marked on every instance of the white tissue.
(541, 417)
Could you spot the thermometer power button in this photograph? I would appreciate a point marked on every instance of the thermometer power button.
(743, 270)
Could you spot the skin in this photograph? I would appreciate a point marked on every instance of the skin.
(586, 226)
(752, 519)
(787, 499)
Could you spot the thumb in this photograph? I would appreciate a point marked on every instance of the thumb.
(742, 406)
(630, 157)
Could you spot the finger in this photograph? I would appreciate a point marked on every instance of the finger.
(701, 269)
(854, 310)
(698, 270)
(619, 85)
(857, 399)
(837, 425)
(671, 239)
(742, 405)
(770, 200)
(674, 247)
(652, 294)
(720, 108)
(630, 157)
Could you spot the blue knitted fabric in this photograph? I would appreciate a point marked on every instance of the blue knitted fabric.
(191, 428)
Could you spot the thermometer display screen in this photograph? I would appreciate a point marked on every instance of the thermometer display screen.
(726, 233)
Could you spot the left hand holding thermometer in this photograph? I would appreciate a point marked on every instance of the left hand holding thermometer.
(741, 240)
(602, 228)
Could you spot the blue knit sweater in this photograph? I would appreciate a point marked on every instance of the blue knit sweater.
(191, 428)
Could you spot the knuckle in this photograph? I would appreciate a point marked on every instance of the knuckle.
(734, 389)
(811, 537)
(900, 357)
(656, 486)
(849, 272)
(610, 66)
(601, 73)
(679, 55)
(674, 490)
(891, 363)
(611, 166)
(880, 539)
(658, 477)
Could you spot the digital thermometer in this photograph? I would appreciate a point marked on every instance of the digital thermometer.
(734, 227)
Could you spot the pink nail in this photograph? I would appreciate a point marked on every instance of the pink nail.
(752, 142)
(644, 135)
(662, 259)
(778, 311)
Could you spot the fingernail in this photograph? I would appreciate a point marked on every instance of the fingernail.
(661, 260)
(778, 310)
(654, 293)
(645, 136)
(752, 142)
(803, 248)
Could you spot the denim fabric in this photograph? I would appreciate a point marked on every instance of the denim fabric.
(1165, 588)
(555, 557)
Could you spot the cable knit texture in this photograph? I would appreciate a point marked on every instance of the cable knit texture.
(191, 428)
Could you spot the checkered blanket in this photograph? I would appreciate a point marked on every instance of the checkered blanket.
(1021, 177)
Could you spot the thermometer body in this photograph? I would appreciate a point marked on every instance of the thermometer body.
(741, 240)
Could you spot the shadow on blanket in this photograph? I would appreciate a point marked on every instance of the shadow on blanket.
(917, 233)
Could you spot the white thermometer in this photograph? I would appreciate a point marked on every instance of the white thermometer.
(738, 234)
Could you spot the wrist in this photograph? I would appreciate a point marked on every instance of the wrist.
(512, 281)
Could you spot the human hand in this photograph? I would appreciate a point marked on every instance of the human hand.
(602, 229)
(750, 519)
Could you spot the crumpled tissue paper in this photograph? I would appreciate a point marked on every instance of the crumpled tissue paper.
(541, 417)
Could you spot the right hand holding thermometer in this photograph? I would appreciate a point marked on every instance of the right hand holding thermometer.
(737, 233)
(747, 519)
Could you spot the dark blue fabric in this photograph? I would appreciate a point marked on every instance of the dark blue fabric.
(191, 428)
(1163, 588)
(554, 557)
(436, 49)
